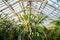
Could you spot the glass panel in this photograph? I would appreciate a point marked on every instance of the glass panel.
(12, 1)
(17, 7)
(7, 11)
(2, 5)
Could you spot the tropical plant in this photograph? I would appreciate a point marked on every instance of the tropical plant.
(7, 29)
(31, 27)
(54, 32)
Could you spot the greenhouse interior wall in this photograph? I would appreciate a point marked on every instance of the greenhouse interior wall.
(29, 19)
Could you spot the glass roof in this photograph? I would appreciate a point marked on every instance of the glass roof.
(52, 8)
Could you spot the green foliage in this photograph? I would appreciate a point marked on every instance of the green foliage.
(7, 30)
(55, 33)
(58, 0)
(31, 27)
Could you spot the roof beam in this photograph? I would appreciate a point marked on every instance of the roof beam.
(8, 7)
(32, 0)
